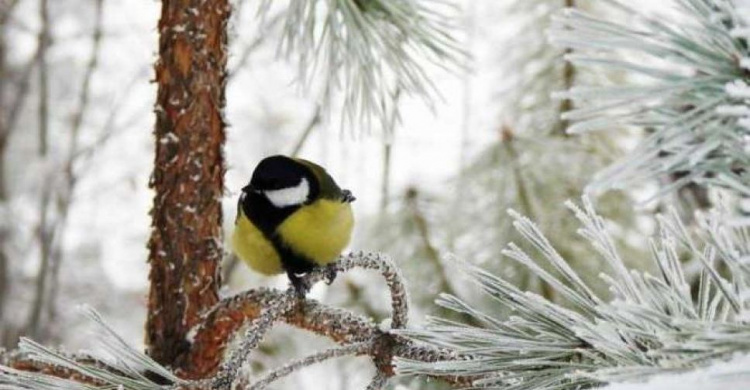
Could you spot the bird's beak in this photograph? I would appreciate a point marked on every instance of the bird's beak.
(347, 196)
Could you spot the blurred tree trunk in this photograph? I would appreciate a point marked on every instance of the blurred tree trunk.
(4, 132)
(186, 239)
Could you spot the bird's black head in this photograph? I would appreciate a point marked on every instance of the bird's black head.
(284, 182)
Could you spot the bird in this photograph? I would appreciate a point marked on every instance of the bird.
(292, 217)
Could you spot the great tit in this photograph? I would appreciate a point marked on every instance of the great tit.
(292, 217)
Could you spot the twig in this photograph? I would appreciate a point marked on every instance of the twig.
(378, 382)
(7, 10)
(314, 121)
(347, 350)
(44, 42)
(24, 86)
(524, 198)
(254, 45)
(424, 234)
(388, 134)
(65, 197)
(568, 78)
(229, 266)
(4, 261)
(386, 179)
(43, 229)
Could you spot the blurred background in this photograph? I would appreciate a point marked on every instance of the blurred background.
(76, 150)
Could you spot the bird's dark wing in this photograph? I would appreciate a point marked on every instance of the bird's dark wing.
(328, 187)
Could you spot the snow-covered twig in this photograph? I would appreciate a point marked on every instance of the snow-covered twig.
(378, 382)
(346, 350)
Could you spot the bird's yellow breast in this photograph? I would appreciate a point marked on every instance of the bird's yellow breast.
(318, 231)
(253, 248)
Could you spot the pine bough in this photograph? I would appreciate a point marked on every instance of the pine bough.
(372, 50)
(654, 324)
(690, 89)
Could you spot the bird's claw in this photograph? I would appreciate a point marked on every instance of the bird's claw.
(300, 283)
(330, 273)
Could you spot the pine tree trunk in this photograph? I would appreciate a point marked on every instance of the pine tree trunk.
(186, 239)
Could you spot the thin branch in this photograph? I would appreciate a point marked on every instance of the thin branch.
(250, 48)
(423, 229)
(229, 266)
(386, 178)
(84, 154)
(22, 92)
(314, 121)
(355, 292)
(43, 42)
(378, 382)
(388, 135)
(357, 349)
(524, 196)
(568, 78)
(4, 233)
(65, 197)
(44, 234)
(7, 10)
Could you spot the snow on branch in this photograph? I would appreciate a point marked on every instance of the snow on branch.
(689, 90)
(371, 50)
(38, 367)
(654, 324)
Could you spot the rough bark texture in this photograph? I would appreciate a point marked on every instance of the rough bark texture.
(185, 245)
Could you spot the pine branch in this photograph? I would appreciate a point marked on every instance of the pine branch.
(134, 370)
(691, 90)
(370, 50)
(653, 324)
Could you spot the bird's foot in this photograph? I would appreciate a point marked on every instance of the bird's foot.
(330, 273)
(300, 283)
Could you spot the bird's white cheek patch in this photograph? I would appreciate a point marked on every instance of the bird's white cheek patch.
(289, 196)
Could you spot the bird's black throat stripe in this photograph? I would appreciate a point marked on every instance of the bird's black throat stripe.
(291, 261)
(267, 218)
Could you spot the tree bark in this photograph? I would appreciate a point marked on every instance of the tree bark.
(186, 239)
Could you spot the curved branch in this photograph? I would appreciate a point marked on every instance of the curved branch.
(356, 349)
(253, 336)
(218, 326)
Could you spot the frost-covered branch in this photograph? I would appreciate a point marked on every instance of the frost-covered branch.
(654, 324)
(378, 382)
(689, 88)
(260, 309)
(219, 325)
(346, 350)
